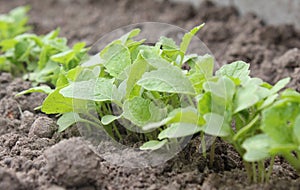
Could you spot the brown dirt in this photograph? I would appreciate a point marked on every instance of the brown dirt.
(44, 159)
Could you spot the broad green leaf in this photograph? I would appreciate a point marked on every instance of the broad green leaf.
(42, 89)
(257, 148)
(177, 130)
(169, 79)
(224, 88)
(180, 115)
(277, 121)
(86, 74)
(238, 70)
(116, 58)
(291, 95)
(99, 89)
(151, 55)
(141, 111)
(280, 85)
(22, 49)
(61, 80)
(63, 57)
(245, 98)
(250, 94)
(205, 65)
(189, 58)
(57, 103)
(8, 44)
(78, 47)
(184, 115)
(155, 125)
(66, 120)
(268, 101)
(107, 119)
(216, 125)
(204, 103)
(137, 69)
(125, 38)
(153, 144)
(197, 79)
(73, 74)
(201, 71)
(168, 43)
(188, 37)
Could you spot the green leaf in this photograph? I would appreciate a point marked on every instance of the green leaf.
(169, 79)
(152, 56)
(238, 70)
(155, 125)
(57, 103)
(116, 58)
(184, 115)
(67, 120)
(269, 101)
(223, 88)
(250, 94)
(99, 89)
(245, 98)
(205, 65)
(277, 121)
(125, 38)
(168, 43)
(180, 115)
(216, 125)
(41, 89)
(153, 144)
(280, 85)
(291, 94)
(188, 37)
(257, 148)
(63, 57)
(14, 23)
(107, 119)
(177, 130)
(137, 69)
(141, 111)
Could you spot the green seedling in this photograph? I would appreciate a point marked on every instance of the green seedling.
(280, 126)
(145, 87)
(232, 105)
(40, 58)
(13, 23)
(144, 83)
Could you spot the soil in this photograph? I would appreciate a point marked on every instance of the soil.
(34, 156)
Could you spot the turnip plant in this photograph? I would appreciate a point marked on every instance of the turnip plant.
(145, 86)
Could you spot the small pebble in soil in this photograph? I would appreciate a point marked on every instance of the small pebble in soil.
(43, 127)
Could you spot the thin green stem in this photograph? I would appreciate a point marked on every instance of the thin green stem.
(270, 169)
(245, 129)
(212, 154)
(248, 169)
(254, 172)
(203, 144)
(117, 131)
(261, 171)
(293, 161)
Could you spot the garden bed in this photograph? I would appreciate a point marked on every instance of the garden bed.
(32, 158)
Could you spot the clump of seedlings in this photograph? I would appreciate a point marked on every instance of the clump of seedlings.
(145, 86)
